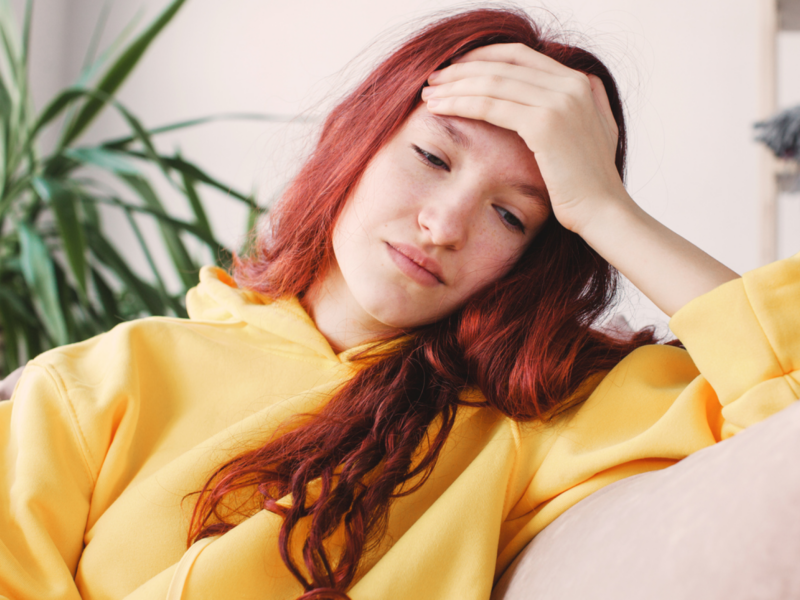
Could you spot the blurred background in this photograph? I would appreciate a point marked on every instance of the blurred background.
(695, 76)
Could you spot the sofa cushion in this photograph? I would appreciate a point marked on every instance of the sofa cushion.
(723, 523)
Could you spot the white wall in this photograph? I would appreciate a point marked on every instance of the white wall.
(788, 95)
(688, 71)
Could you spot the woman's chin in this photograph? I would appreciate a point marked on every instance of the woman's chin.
(403, 316)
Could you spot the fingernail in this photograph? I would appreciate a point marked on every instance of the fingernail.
(434, 76)
(426, 91)
(432, 102)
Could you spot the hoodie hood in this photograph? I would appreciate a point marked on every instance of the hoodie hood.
(218, 298)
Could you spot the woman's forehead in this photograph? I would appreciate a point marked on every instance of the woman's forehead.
(482, 140)
(446, 126)
(465, 133)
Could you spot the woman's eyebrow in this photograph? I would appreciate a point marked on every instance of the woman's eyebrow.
(444, 126)
(537, 193)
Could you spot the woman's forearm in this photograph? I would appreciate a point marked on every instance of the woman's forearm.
(667, 268)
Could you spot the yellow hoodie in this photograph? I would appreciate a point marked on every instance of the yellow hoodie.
(103, 440)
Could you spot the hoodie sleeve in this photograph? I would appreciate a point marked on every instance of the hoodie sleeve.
(660, 404)
(744, 338)
(46, 483)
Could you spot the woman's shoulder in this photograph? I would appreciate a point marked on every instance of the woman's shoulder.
(112, 372)
(646, 369)
(222, 318)
(649, 379)
(652, 366)
(128, 343)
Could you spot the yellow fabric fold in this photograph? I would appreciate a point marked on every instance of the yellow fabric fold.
(176, 586)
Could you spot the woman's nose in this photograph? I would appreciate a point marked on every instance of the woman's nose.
(446, 222)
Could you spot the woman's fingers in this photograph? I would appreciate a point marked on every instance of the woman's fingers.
(603, 106)
(482, 93)
(515, 54)
(533, 79)
(522, 76)
(502, 113)
(501, 71)
(499, 88)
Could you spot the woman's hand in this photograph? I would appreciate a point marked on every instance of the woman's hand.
(565, 119)
(562, 115)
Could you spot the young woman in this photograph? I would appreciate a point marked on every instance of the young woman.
(406, 382)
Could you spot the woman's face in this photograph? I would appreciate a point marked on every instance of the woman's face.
(444, 209)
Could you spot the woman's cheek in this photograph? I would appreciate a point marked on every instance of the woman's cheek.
(493, 258)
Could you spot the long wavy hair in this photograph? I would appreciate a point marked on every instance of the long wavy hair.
(526, 342)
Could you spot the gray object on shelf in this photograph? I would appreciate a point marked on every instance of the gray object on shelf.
(781, 133)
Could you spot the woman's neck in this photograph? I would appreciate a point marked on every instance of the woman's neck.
(337, 315)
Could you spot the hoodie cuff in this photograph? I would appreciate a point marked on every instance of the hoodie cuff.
(746, 333)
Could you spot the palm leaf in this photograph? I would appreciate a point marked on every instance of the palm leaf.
(122, 142)
(39, 273)
(53, 109)
(19, 305)
(158, 213)
(8, 329)
(97, 33)
(64, 204)
(6, 105)
(185, 167)
(197, 205)
(61, 277)
(26, 34)
(187, 270)
(160, 284)
(145, 296)
(118, 72)
(111, 314)
(99, 156)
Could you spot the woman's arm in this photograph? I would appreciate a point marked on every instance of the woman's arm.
(667, 268)
(565, 119)
(45, 491)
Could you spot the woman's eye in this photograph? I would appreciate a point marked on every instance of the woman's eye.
(433, 160)
(510, 220)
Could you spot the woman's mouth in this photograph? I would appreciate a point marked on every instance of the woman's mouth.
(416, 264)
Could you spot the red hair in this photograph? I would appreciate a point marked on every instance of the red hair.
(526, 342)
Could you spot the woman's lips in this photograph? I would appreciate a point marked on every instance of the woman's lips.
(415, 264)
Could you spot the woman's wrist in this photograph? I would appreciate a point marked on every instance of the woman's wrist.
(667, 268)
(599, 225)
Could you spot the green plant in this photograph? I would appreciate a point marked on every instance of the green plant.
(61, 278)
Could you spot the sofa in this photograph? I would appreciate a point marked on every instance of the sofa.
(723, 524)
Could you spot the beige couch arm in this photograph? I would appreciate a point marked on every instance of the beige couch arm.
(723, 524)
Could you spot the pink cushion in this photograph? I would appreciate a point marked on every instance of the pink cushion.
(722, 524)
